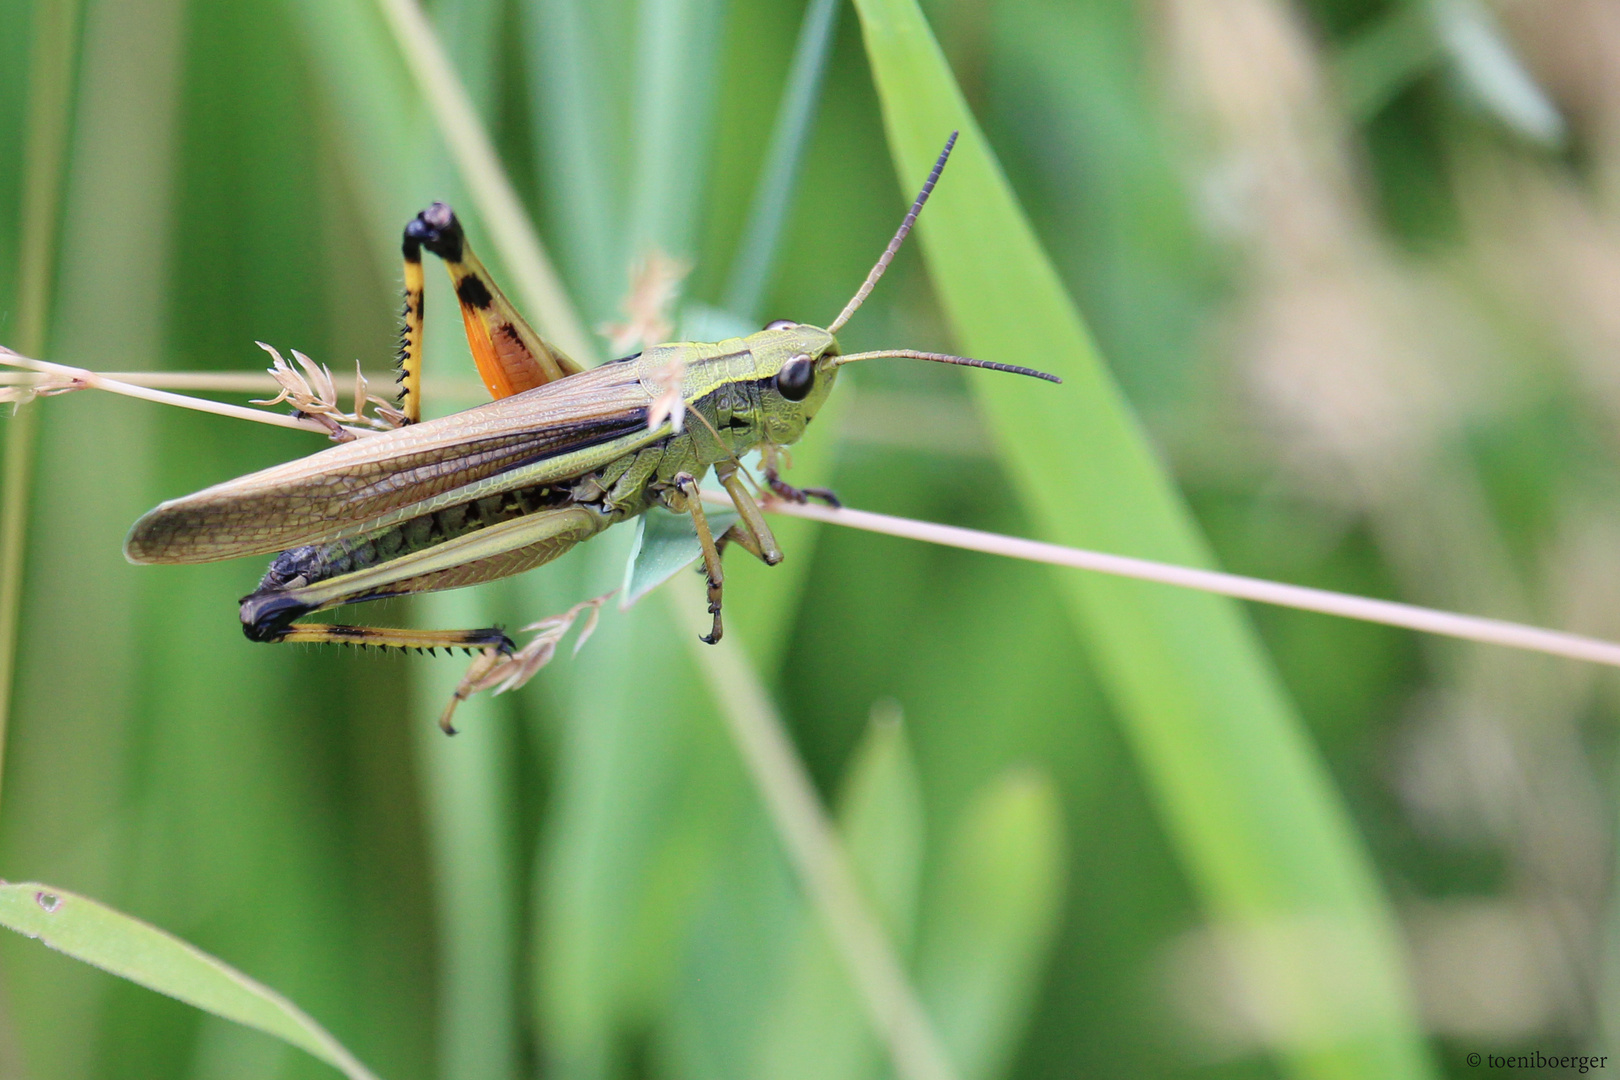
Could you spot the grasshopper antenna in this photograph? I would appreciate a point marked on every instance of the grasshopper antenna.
(894, 245)
(943, 358)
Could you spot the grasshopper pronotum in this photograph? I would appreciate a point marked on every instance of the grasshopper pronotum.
(561, 454)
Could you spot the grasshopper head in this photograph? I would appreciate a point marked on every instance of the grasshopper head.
(799, 363)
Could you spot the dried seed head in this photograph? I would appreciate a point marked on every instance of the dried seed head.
(670, 404)
(500, 672)
(655, 285)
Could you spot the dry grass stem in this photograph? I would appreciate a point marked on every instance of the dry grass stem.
(246, 382)
(670, 404)
(1387, 612)
(62, 378)
(655, 285)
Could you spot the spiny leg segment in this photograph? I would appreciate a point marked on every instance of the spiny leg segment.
(410, 337)
(685, 499)
(489, 638)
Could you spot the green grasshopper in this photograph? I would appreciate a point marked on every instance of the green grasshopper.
(561, 454)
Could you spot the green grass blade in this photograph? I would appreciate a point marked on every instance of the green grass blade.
(815, 1029)
(50, 106)
(767, 216)
(471, 31)
(818, 857)
(990, 919)
(1383, 60)
(575, 109)
(1241, 791)
(676, 86)
(472, 824)
(141, 953)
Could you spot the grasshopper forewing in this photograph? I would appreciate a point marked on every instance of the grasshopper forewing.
(560, 455)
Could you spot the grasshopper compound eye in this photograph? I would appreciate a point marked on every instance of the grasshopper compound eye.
(796, 378)
(780, 324)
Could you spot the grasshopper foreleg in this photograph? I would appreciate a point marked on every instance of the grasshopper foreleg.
(784, 490)
(751, 532)
(687, 500)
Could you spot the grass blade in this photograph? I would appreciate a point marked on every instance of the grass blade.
(816, 1028)
(677, 82)
(767, 215)
(141, 953)
(50, 104)
(577, 123)
(819, 859)
(991, 919)
(470, 814)
(1242, 793)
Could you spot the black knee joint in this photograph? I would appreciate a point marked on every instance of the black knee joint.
(436, 229)
(267, 616)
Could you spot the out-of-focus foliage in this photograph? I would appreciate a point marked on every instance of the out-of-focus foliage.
(1355, 265)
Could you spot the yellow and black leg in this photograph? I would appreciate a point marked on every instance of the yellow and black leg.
(410, 336)
(689, 501)
(494, 551)
(268, 617)
(510, 356)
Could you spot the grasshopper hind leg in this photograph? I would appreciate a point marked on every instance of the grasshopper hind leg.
(487, 639)
(268, 617)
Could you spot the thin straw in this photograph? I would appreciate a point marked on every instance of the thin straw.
(91, 379)
(244, 382)
(1388, 612)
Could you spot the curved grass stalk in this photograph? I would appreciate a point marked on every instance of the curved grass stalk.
(129, 948)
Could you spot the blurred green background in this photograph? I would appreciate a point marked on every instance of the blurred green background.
(1356, 266)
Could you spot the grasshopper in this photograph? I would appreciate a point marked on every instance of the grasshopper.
(561, 454)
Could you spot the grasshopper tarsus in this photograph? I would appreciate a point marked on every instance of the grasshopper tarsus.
(786, 491)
